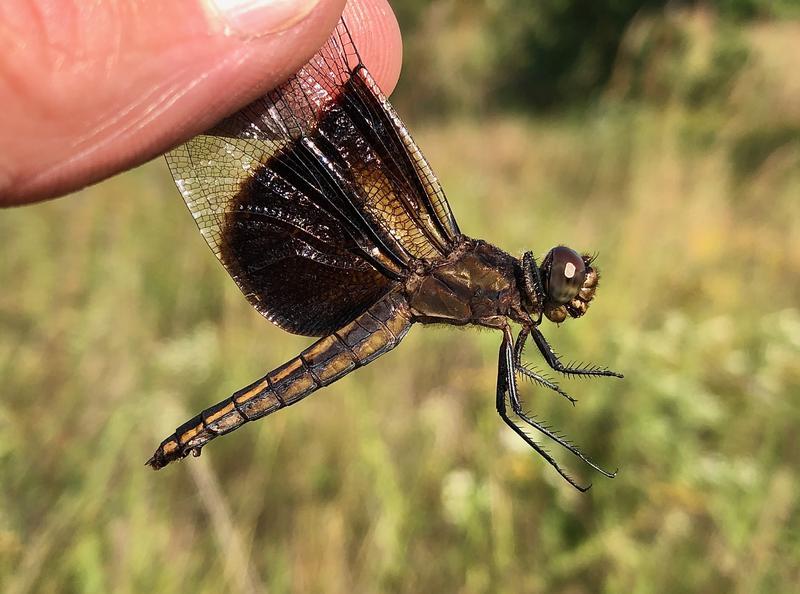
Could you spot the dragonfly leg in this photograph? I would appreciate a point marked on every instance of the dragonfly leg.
(555, 363)
(524, 370)
(533, 282)
(507, 385)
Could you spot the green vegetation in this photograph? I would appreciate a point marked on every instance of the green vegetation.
(117, 324)
(553, 55)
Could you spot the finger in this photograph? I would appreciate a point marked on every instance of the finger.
(90, 89)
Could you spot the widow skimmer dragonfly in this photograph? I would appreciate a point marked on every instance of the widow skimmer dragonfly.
(331, 222)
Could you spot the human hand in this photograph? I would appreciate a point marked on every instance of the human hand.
(89, 89)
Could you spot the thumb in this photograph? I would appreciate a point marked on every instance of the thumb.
(91, 88)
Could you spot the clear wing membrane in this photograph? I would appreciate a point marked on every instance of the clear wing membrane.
(315, 197)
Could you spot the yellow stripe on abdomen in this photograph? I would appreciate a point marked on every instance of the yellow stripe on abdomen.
(373, 333)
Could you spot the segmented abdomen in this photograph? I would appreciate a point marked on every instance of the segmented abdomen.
(373, 333)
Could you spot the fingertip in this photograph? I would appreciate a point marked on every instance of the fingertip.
(251, 19)
(376, 34)
(372, 24)
(160, 73)
(266, 61)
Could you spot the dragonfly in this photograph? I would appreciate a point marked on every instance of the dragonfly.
(330, 220)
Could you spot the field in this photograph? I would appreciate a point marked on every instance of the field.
(117, 324)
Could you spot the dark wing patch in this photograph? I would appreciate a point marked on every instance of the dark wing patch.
(314, 197)
(294, 262)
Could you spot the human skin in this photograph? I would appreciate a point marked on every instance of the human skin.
(90, 89)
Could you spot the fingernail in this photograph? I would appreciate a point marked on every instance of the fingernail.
(254, 18)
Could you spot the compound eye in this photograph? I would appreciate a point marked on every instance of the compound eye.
(566, 275)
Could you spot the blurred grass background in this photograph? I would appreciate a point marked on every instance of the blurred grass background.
(675, 155)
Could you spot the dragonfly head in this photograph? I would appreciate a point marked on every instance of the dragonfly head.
(566, 280)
